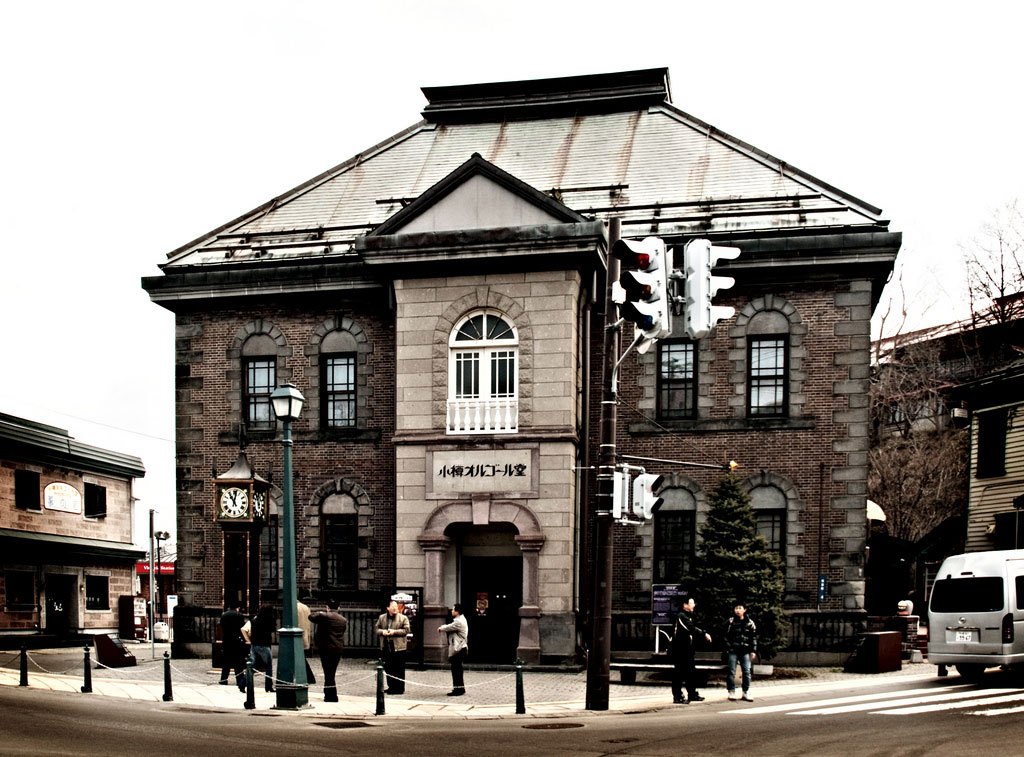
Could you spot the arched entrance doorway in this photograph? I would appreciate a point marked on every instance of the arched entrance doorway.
(485, 556)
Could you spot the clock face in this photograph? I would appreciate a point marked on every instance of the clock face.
(259, 505)
(234, 502)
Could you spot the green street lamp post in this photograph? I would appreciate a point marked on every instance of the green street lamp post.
(292, 687)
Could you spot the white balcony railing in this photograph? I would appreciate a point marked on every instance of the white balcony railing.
(483, 416)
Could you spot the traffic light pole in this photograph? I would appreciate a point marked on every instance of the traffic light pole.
(599, 656)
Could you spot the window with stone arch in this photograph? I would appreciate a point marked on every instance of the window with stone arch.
(483, 375)
(768, 365)
(259, 379)
(771, 512)
(675, 535)
(339, 543)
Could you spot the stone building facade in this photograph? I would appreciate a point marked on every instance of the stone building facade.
(439, 301)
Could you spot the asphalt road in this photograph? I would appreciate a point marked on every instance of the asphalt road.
(936, 717)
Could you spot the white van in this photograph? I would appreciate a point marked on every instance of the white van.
(976, 612)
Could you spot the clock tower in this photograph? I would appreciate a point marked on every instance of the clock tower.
(241, 498)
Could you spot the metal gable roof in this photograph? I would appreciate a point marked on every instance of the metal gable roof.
(659, 169)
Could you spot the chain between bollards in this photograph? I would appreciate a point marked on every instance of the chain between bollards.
(168, 697)
(24, 666)
(87, 683)
(380, 687)
(520, 696)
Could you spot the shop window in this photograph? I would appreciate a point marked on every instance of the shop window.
(26, 490)
(97, 593)
(677, 380)
(338, 379)
(483, 376)
(19, 590)
(992, 443)
(95, 501)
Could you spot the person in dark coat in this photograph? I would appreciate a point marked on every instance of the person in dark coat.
(329, 634)
(232, 646)
(685, 636)
(740, 645)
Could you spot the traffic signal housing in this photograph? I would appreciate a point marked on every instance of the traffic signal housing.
(620, 494)
(699, 258)
(642, 291)
(645, 501)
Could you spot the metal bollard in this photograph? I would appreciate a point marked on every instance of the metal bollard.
(520, 696)
(250, 697)
(87, 683)
(380, 687)
(24, 666)
(168, 697)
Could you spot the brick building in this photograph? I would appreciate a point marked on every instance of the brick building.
(66, 552)
(438, 300)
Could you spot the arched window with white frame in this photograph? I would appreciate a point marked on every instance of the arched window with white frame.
(483, 378)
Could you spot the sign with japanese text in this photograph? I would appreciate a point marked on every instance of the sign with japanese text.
(62, 497)
(504, 472)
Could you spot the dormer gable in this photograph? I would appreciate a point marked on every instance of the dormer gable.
(477, 195)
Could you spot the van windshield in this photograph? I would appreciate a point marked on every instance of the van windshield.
(968, 595)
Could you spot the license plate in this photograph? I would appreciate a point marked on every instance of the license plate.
(964, 636)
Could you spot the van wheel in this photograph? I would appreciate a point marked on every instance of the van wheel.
(971, 672)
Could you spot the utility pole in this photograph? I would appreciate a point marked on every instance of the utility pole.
(599, 657)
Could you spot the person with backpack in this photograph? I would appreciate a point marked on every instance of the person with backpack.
(740, 645)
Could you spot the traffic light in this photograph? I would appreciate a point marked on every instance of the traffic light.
(644, 499)
(699, 258)
(620, 494)
(642, 292)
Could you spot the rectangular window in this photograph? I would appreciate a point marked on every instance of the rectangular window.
(339, 382)
(673, 544)
(95, 501)
(677, 380)
(268, 554)
(503, 373)
(767, 376)
(97, 593)
(992, 443)
(19, 590)
(467, 375)
(341, 553)
(260, 381)
(771, 525)
(26, 490)
(967, 595)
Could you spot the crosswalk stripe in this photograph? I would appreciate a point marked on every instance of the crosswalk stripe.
(956, 705)
(936, 696)
(997, 711)
(845, 700)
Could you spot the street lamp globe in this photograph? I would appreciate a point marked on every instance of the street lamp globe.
(287, 401)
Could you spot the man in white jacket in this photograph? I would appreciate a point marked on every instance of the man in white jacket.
(458, 648)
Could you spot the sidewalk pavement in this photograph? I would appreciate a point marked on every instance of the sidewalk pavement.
(489, 694)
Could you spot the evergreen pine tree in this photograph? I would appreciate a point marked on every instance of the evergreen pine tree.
(734, 564)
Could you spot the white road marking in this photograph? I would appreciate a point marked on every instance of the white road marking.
(845, 700)
(1019, 696)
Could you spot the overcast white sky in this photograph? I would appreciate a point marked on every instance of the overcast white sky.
(131, 128)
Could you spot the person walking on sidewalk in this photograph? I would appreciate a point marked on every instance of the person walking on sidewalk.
(458, 648)
(685, 635)
(392, 629)
(307, 630)
(232, 646)
(259, 632)
(740, 644)
(330, 642)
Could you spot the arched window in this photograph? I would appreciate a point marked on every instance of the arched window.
(483, 375)
(339, 540)
(338, 380)
(259, 379)
(769, 504)
(675, 528)
(768, 365)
